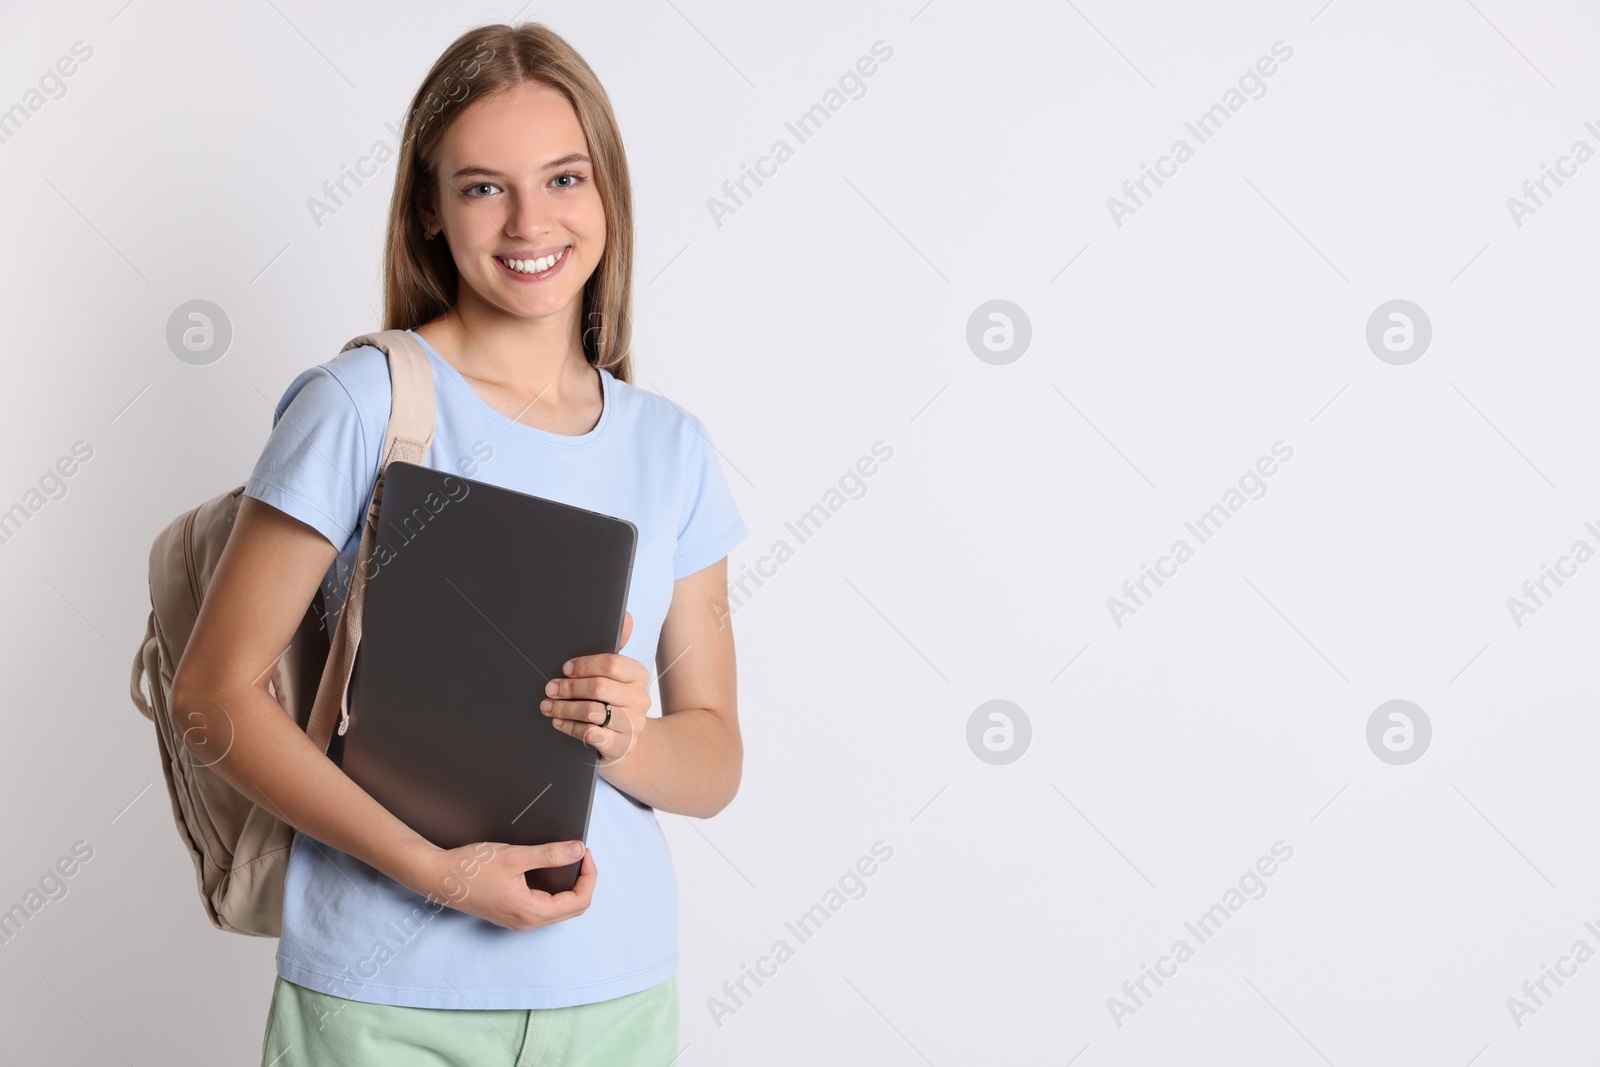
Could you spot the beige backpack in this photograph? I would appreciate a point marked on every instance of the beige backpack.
(240, 850)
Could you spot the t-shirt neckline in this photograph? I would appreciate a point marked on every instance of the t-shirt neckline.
(560, 440)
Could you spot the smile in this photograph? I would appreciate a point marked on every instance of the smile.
(534, 269)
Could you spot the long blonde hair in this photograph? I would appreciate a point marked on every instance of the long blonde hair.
(420, 280)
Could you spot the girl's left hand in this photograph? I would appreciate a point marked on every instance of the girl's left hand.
(576, 701)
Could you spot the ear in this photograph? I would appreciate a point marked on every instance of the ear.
(426, 212)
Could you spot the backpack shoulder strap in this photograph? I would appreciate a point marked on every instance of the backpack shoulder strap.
(411, 415)
(410, 432)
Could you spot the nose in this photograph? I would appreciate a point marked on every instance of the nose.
(529, 216)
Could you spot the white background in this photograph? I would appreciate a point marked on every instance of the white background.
(829, 312)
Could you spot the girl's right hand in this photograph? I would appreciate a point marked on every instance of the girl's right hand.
(487, 879)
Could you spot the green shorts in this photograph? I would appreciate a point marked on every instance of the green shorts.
(306, 1028)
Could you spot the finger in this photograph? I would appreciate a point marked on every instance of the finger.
(582, 892)
(555, 854)
(618, 745)
(605, 665)
(627, 629)
(609, 690)
(600, 738)
(584, 888)
(590, 711)
(584, 666)
(556, 907)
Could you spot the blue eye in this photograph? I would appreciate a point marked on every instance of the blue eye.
(576, 179)
(478, 185)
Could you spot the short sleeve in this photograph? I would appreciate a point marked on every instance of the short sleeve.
(709, 525)
(316, 465)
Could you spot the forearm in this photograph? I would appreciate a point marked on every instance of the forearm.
(246, 737)
(688, 762)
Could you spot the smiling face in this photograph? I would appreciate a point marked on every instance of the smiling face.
(518, 204)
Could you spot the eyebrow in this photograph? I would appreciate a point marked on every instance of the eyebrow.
(569, 158)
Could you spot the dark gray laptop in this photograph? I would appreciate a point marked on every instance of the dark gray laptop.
(478, 595)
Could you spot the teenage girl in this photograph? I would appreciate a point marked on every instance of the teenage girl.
(509, 256)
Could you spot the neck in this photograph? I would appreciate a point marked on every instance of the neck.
(527, 355)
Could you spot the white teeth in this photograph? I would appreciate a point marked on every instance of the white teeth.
(532, 266)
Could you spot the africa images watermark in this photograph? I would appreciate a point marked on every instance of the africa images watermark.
(1536, 191)
(1136, 992)
(404, 530)
(336, 192)
(1204, 527)
(736, 192)
(52, 486)
(52, 887)
(1537, 591)
(1566, 967)
(51, 86)
(404, 932)
(851, 885)
(851, 485)
(1202, 128)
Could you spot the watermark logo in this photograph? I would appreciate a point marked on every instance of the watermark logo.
(1399, 332)
(199, 332)
(1399, 732)
(208, 737)
(999, 732)
(999, 332)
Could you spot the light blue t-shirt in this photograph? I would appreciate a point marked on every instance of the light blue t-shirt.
(350, 930)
